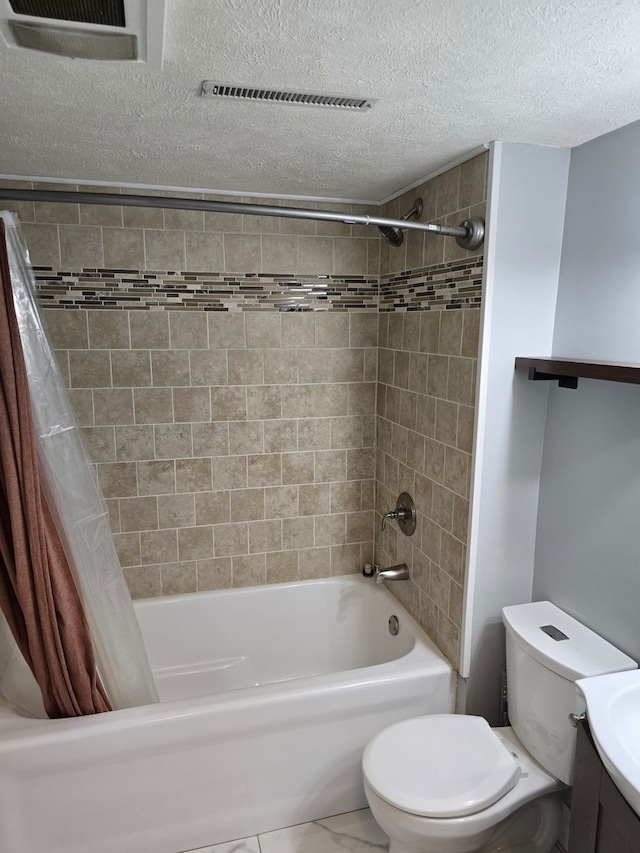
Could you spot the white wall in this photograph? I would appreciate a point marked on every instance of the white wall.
(598, 309)
(588, 538)
(526, 208)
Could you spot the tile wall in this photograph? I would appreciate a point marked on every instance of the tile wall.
(428, 346)
(447, 200)
(233, 448)
(234, 438)
(73, 237)
(426, 396)
(233, 442)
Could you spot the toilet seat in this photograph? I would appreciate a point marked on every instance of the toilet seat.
(440, 766)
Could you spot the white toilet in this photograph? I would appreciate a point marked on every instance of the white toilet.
(449, 783)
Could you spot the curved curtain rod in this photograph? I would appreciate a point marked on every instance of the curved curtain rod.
(463, 232)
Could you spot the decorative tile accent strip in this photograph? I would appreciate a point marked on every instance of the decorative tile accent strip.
(443, 286)
(142, 289)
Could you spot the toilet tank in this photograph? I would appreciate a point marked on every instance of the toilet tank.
(547, 651)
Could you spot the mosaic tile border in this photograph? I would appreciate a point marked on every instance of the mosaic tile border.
(444, 286)
(455, 284)
(169, 290)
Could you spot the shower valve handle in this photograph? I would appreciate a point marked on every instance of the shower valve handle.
(404, 514)
(398, 514)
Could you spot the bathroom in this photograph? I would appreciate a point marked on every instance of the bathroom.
(281, 467)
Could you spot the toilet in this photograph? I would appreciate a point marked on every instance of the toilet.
(449, 783)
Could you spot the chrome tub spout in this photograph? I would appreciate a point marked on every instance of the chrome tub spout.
(393, 573)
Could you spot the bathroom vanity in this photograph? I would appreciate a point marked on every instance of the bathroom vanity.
(601, 819)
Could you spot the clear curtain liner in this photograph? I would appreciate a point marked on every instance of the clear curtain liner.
(76, 504)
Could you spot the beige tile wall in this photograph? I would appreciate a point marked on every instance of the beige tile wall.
(426, 396)
(426, 407)
(447, 200)
(70, 236)
(232, 448)
(240, 448)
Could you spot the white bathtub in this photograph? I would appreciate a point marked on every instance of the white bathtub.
(269, 697)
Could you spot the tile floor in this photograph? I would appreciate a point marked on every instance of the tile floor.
(356, 832)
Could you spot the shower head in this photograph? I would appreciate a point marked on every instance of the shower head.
(395, 235)
(391, 235)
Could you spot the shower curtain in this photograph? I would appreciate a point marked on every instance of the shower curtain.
(76, 507)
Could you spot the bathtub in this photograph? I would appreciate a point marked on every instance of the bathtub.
(268, 697)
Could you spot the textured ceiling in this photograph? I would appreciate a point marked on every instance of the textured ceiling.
(449, 76)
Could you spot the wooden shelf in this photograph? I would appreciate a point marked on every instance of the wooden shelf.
(567, 372)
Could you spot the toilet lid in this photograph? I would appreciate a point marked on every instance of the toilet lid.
(445, 765)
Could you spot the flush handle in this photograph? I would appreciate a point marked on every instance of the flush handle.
(574, 719)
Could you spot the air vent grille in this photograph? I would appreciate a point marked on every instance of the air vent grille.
(284, 96)
(76, 44)
(109, 13)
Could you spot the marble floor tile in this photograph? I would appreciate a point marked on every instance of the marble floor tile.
(356, 832)
(242, 845)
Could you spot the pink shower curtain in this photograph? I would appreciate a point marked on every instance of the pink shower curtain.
(37, 593)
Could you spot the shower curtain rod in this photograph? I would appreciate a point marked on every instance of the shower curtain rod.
(469, 234)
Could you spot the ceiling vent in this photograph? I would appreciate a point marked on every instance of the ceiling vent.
(109, 13)
(285, 96)
(113, 30)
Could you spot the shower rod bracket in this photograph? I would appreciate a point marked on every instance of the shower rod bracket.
(475, 233)
(469, 234)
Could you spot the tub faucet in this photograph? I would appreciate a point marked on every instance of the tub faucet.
(393, 573)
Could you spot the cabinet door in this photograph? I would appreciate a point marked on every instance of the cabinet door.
(618, 824)
(601, 819)
(585, 797)
(610, 838)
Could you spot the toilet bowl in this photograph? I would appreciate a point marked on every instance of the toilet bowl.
(466, 787)
(451, 784)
